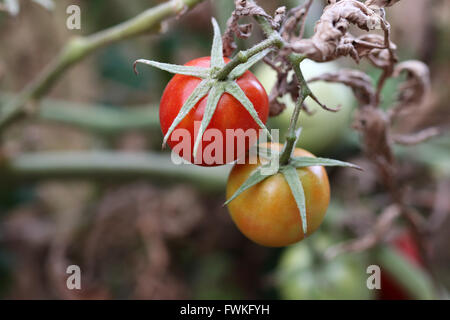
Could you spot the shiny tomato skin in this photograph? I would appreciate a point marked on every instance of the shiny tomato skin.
(230, 114)
(267, 212)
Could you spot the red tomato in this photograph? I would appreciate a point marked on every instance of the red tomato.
(230, 114)
(390, 289)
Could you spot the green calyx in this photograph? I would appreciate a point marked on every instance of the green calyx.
(218, 79)
(289, 171)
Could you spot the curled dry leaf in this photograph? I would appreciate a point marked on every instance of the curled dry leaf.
(381, 3)
(295, 18)
(382, 226)
(331, 38)
(372, 46)
(276, 107)
(284, 85)
(244, 8)
(373, 124)
(279, 16)
(358, 81)
(417, 137)
(417, 85)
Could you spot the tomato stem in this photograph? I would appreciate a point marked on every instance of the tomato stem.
(295, 60)
(243, 56)
(110, 165)
(291, 136)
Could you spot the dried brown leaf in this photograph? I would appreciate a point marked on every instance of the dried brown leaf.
(377, 234)
(417, 137)
(417, 84)
(244, 8)
(295, 20)
(372, 46)
(381, 3)
(359, 82)
(331, 38)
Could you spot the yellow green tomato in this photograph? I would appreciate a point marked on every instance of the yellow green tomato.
(323, 129)
(267, 212)
(302, 276)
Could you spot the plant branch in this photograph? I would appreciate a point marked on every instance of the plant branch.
(80, 47)
(97, 118)
(291, 137)
(307, 6)
(243, 56)
(108, 165)
(295, 60)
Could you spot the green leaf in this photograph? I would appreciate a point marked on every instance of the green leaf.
(293, 180)
(256, 177)
(213, 99)
(216, 49)
(174, 68)
(300, 162)
(236, 91)
(240, 69)
(198, 93)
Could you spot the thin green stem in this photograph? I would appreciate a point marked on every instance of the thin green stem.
(97, 118)
(295, 60)
(80, 47)
(291, 137)
(243, 56)
(265, 26)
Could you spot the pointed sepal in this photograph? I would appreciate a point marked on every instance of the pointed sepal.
(301, 162)
(199, 92)
(216, 49)
(236, 91)
(240, 69)
(174, 68)
(255, 177)
(214, 95)
(293, 180)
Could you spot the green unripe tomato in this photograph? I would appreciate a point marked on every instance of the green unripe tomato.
(301, 277)
(323, 129)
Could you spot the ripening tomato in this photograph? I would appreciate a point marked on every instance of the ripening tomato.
(230, 114)
(267, 212)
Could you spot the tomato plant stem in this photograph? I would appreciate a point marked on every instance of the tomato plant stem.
(295, 60)
(243, 56)
(108, 166)
(97, 118)
(291, 136)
